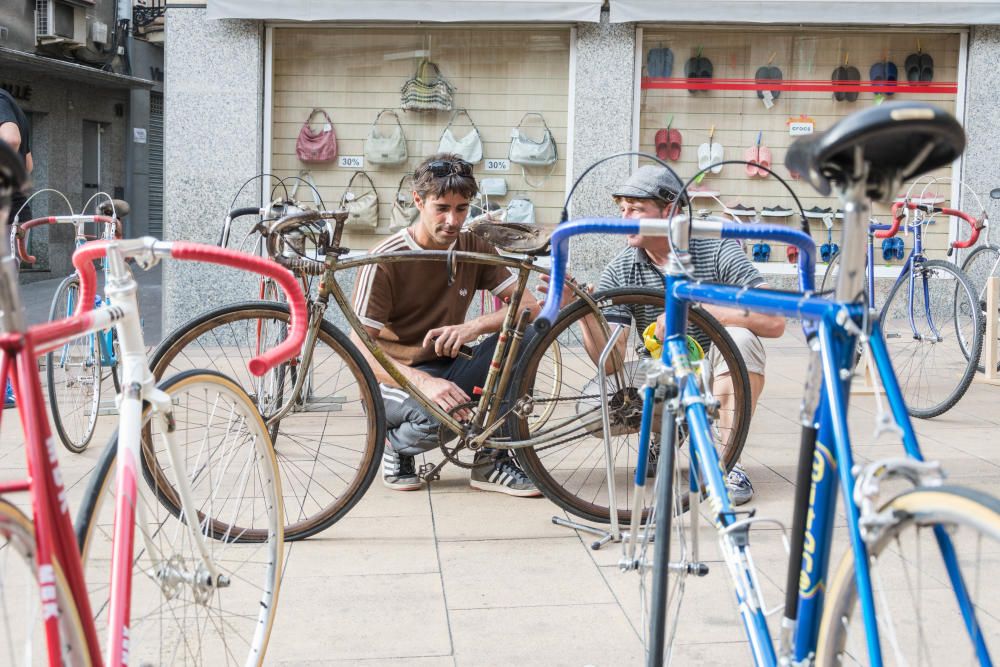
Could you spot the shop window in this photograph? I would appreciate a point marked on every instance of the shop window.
(758, 82)
(498, 75)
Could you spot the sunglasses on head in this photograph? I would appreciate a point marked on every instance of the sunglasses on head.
(449, 167)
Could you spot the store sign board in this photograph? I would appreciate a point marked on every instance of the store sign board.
(497, 165)
(799, 128)
(351, 161)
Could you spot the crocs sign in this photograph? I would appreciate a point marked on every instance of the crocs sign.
(801, 125)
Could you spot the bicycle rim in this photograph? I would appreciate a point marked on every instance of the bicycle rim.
(230, 465)
(73, 377)
(22, 635)
(935, 338)
(330, 444)
(917, 612)
(979, 266)
(572, 471)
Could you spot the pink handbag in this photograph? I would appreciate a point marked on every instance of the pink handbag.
(316, 146)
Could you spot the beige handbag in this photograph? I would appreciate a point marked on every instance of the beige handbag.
(469, 147)
(362, 209)
(427, 90)
(404, 211)
(388, 150)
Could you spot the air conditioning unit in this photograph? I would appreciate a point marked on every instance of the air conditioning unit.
(58, 22)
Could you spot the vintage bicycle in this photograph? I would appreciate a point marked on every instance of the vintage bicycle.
(903, 521)
(983, 262)
(180, 530)
(931, 320)
(75, 373)
(540, 399)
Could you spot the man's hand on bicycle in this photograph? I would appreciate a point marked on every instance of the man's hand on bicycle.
(567, 293)
(445, 393)
(448, 341)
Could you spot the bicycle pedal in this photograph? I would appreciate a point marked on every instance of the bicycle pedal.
(429, 472)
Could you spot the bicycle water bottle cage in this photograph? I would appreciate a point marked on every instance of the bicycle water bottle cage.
(897, 141)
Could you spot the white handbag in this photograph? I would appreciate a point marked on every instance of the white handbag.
(404, 211)
(493, 187)
(469, 147)
(520, 210)
(362, 210)
(527, 152)
(381, 149)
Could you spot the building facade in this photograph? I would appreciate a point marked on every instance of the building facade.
(92, 88)
(601, 78)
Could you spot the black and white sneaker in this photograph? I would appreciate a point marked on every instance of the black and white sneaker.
(399, 472)
(503, 476)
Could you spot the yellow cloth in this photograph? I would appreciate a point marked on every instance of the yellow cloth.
(655, 346)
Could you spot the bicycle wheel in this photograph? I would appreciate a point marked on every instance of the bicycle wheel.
(329, 446)
(920, 622)
(980, 265)
(176, 617)
(935, 338)
(571, 471)
(829, 281)
(22, 635)
(73, 376)
(661, 587)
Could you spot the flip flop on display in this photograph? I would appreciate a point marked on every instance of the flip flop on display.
(660, 63)
(767, 73)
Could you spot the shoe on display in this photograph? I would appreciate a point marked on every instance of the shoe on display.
(776, 212)
(741, 210)
(399, 471)
(817, 212)
(740, 488)
(8, 397)
(503, 476)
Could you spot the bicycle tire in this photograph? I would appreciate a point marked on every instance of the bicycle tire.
(247, 543)
(979, 265)
(74, 406)
(955, 508)
(548, 474)
(923, 399)
(17, 538)
(342, 465)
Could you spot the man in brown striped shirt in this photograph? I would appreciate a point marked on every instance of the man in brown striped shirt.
(418, 316)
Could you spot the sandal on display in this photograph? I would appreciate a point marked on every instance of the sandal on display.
(741, 211)
(768, 73)
(698, 67)
(886, 71)
(662, 143)
(660, 63)
(761, 252)
(792, 253)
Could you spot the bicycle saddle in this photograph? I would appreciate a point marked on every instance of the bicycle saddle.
(12, 171)
(513, 237)
(898, 140)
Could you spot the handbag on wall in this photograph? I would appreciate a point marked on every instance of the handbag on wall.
(381, 149)
(316, 146)
(427, 90)
(530, 153)
(493, 187)
(404, 211)
(469, 147)
(362, 210)
(520, 210)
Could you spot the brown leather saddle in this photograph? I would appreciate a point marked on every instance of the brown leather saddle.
(514, 237)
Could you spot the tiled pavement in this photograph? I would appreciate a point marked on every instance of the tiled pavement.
(454, 576)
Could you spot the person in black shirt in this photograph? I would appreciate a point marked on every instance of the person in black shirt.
(15, 130)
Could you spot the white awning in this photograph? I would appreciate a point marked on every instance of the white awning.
(431, 11)
(837, 12)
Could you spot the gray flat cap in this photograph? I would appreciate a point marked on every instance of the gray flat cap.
(650, 182)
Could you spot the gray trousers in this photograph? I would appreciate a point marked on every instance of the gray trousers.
(411, 429)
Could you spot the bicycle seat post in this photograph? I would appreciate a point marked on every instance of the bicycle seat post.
(853, 241)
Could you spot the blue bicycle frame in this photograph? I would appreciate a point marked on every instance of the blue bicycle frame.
(836, 325)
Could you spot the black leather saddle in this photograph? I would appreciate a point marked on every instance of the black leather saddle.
(898, 140)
